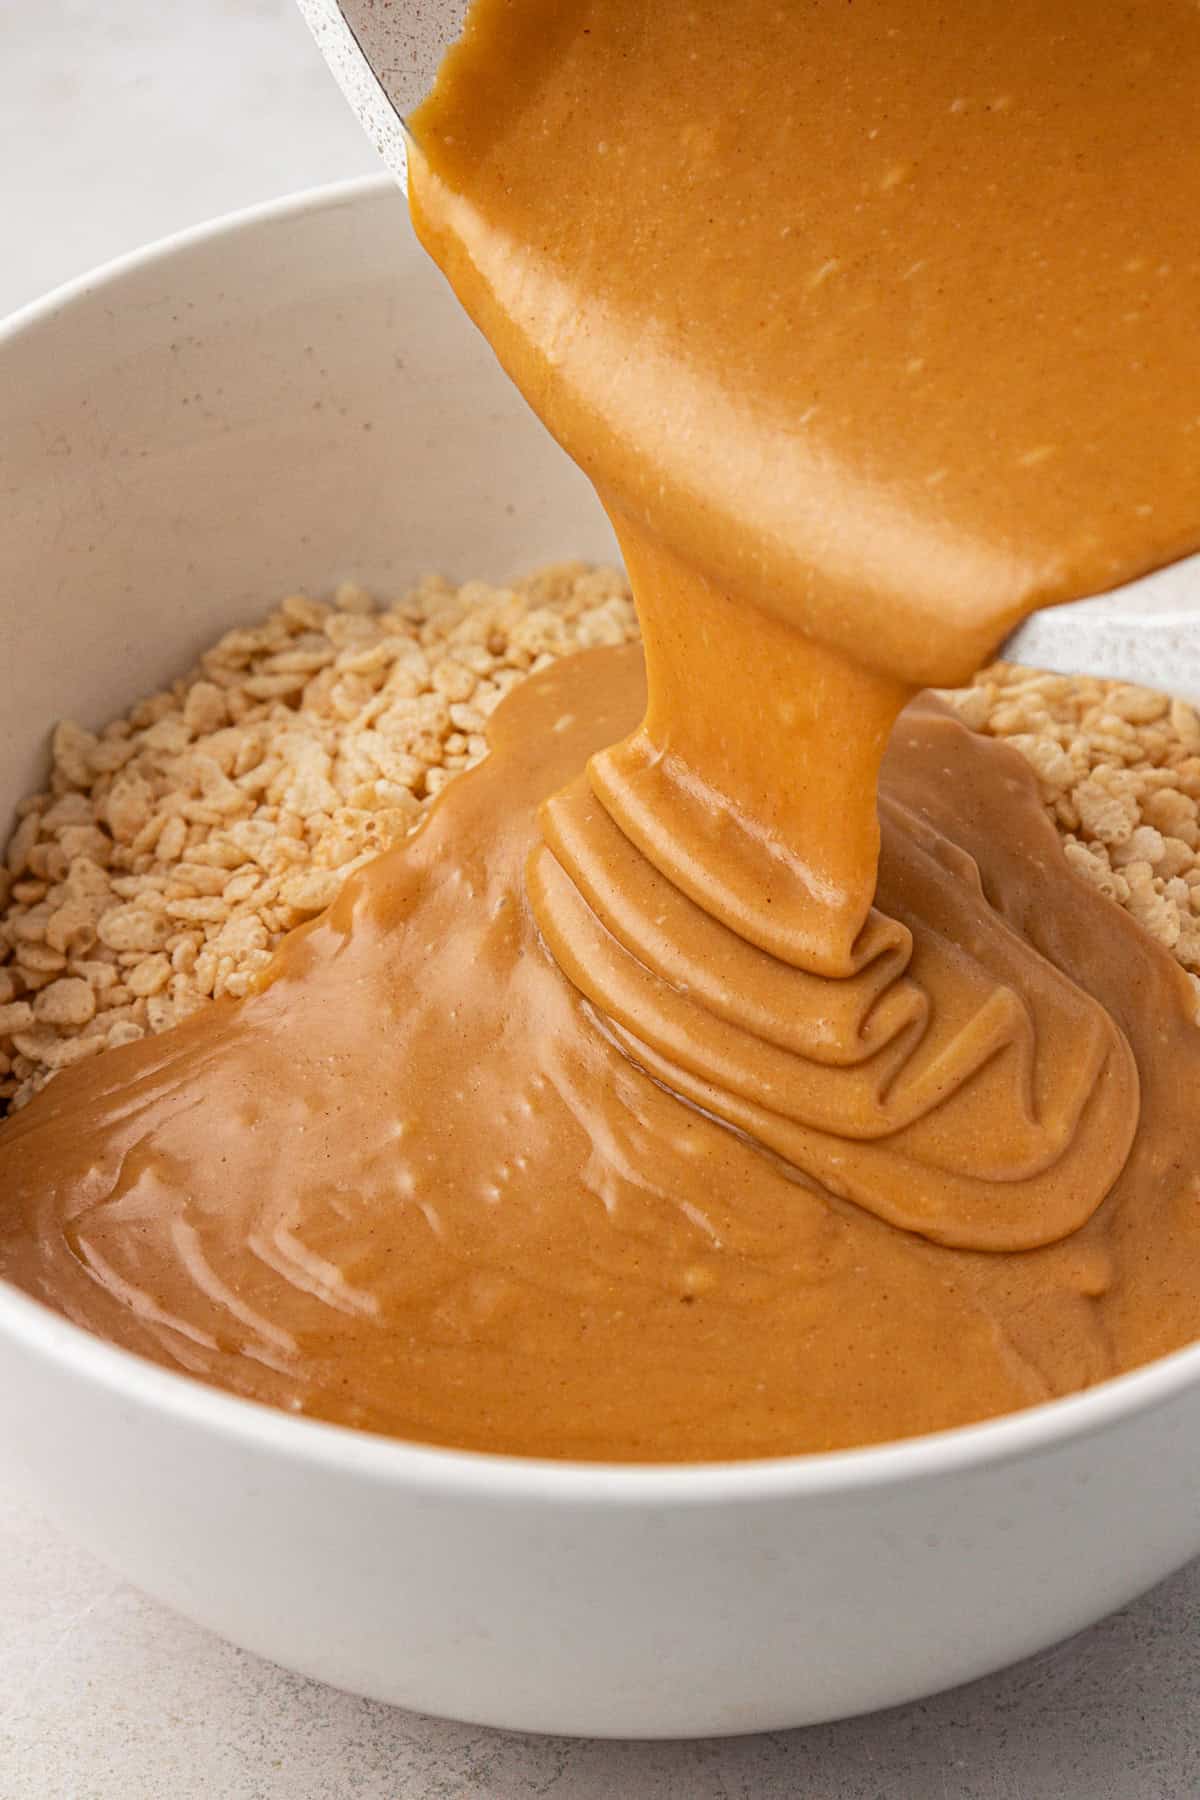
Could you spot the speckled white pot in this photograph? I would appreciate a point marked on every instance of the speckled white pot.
(285, 400)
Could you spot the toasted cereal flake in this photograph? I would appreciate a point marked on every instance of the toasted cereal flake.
(37, 1043)
(101, 976)
(132, 927)
(205, 709)
(73, 749)
(125, 1031)
(1056, 769)
(1107, 812)
(129, 807)
(21, 843)
(1134, 828)
(70, 1002)
(245, 931)
(71, 929)
(1144, 844)
(29, 927)
(40, 959)
(89, 883)
(313, 890)
(16, 1016)
(160, 1012)
(172, 849)
(149, 976)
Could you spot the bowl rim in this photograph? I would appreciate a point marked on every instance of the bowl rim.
(332, 196)
(44, 1335)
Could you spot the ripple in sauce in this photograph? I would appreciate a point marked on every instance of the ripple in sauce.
(730, 1065)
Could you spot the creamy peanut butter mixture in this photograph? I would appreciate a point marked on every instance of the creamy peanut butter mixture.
(732, 1063)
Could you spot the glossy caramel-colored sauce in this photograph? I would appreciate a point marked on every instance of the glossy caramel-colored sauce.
(416, 1186)
(735, 1067)
(881, 315)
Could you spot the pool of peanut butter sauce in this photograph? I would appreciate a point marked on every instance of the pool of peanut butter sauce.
(688, 1098)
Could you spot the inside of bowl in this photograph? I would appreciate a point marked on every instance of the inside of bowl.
(285, 403)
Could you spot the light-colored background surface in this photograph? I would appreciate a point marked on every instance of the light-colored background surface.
(121, 120)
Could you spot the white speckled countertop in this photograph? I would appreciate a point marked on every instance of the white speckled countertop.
(121, 120)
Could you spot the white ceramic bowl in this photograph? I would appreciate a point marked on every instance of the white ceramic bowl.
(284, 400)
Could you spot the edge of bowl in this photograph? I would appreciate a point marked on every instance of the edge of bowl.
(39, 1331)
(353, 191)
(46, 1335)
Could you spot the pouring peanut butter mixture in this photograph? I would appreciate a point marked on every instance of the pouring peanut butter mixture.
(731, 1064)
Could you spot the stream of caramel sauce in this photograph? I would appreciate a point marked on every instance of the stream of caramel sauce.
(731, 1065)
